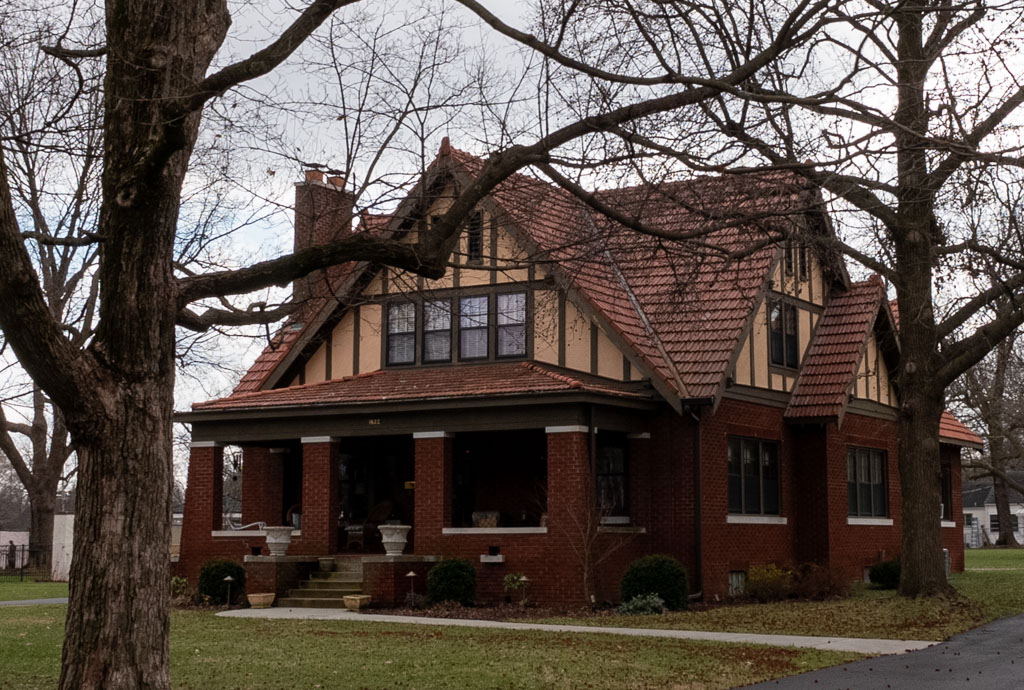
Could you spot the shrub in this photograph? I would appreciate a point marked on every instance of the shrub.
(812, 581)
(657, 574)
(453, 579)
(415, 601)
(768, 583)
(642, 604)
(885, 575)
(179, 587)
(211, 580)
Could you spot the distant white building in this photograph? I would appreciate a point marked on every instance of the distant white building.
(981, 523)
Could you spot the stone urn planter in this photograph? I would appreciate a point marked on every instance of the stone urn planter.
(261, 600)
(394, 537)
(278, 539)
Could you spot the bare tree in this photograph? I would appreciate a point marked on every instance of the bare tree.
(891, 110)
(116, 390)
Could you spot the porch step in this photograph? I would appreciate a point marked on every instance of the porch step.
(327, 590)
(309, 603)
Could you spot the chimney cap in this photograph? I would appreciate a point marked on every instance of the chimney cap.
(314, 176)
(337, 180)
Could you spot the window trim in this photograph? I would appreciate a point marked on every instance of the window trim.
(884, 470)
(475, 231)
(761, 443)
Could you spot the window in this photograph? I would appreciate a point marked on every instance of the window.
(782, 334)
(947, 491)
(866, 486)
(475, 239)
(512, 325)
(753, 476)
(401, 333)
(993, 523)
(473, 327)
(612, 475)
(437, 330)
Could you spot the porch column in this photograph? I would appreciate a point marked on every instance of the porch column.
(262, 470)
(433, 495)
(319, 496)
(570, 494)
(204, 501)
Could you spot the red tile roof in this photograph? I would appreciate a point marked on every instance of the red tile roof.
(952, 430)
(433, 383)
(831, 362)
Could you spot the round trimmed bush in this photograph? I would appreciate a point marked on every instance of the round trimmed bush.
(885, 575)
(211, 580)
(453, 579)
(657, 574)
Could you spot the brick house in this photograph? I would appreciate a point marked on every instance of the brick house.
(572, 393)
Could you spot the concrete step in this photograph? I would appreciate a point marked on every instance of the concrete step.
(303, 593)
(333, 584)
(310, 603)
(336, 577)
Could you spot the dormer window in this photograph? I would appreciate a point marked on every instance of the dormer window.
(783, 340)
(401, 333)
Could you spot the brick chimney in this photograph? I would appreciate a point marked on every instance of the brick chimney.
(323, 212)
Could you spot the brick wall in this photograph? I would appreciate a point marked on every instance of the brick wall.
(320, 505)
(953, 537)
(727, 546)
(262, 476)
(276, 576)
(323, 211)
(855, 547)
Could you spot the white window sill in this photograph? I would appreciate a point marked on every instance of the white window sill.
(947, 523)
(247, 533)
(756, 520)
(615, 520)
(869, 522)
(493, 530)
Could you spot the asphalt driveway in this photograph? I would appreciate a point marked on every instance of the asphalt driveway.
(988, 658)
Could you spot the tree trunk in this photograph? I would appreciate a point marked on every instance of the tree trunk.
(42, 499)
(1006, 535)
(118, 618)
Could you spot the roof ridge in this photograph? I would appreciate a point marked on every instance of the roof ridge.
(564, 378)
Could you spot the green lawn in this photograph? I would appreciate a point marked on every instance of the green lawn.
(19, 591)
(985, 595)
(212, 653)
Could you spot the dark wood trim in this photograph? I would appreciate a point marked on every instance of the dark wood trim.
(561, 328)
(329, 353)
(758, 395)
(626, 372)
(593, 347)
(795, 301)
(492, 226)
(870, 408)
(753, 357)
(355, 339)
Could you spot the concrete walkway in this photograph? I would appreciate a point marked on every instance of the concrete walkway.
(840, 644)
(34, 602)
(987, 658)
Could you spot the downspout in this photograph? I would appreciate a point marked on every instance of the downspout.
(698, 532)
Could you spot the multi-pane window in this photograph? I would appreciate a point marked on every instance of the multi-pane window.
(401, 333)
(753, 466)
(437, 330)
(512, 325)
(993, 523)
(866, 482)
(783, 334)
(612, 475)
(473, 327)
(475, 239)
